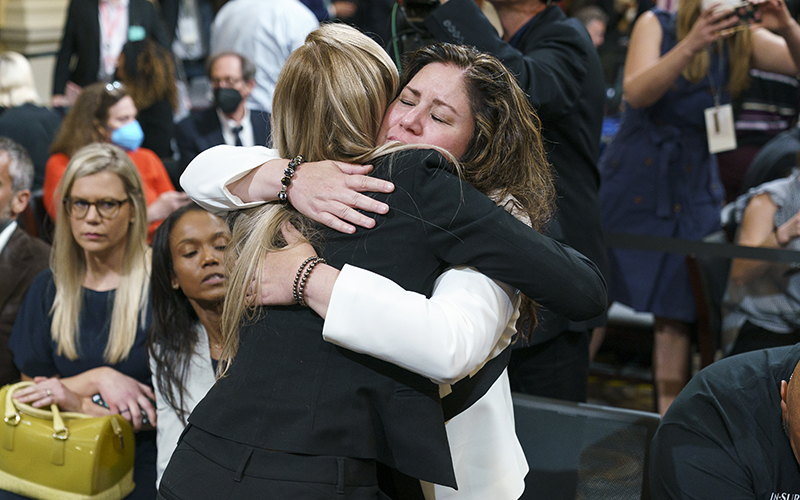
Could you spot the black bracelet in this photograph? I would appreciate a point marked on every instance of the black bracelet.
(283, 196)
(295, 295)
(301, 289)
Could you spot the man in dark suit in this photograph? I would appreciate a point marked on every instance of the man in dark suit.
(22, 257)
(228, 121)
(90, 40)
(558, 67)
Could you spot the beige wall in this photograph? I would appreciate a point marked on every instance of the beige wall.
(33, 28)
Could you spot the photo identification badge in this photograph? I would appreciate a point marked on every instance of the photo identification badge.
(719, 127)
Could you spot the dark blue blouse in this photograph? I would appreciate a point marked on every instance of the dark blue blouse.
(35, 352)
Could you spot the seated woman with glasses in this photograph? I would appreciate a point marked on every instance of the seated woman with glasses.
(104, 112)
(82, 329)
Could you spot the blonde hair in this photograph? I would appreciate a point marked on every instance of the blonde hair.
(16, 81)
(740, 48)
(329, 103)
(68, 260)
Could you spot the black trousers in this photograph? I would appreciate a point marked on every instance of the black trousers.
(204, 466)
(557, 368)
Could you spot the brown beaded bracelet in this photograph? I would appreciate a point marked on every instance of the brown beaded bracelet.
(283, 195)
(301, 287)
(295, 295)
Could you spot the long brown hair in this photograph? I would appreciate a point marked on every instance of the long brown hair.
(740, 48)
(87, 117)
(148, 73)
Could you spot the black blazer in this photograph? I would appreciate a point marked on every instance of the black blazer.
(290, 390)
(82, 40)
(21, 260)
(202, 130)
(558, 67)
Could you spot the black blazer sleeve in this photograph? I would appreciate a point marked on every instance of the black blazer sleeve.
(462, 226)
(552, 73)
(78, 10)
(186, 136)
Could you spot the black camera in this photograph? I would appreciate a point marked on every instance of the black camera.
(408, 28)
(417, 10)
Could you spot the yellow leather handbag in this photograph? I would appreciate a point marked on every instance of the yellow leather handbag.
(55, 455)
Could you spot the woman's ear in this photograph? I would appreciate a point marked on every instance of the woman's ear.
(174, 282)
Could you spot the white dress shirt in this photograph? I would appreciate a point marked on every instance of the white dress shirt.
(246, 134)
(266, 32)
(6, 233)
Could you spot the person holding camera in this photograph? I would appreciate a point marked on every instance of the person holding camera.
(558, 68)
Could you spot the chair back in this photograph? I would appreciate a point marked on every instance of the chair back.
(583, 451)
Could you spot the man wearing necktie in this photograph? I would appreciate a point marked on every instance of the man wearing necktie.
(228, 121)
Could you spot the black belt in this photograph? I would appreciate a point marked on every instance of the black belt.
(246, 460)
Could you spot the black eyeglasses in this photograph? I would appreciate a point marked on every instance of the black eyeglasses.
(228, 82)
(107, 208)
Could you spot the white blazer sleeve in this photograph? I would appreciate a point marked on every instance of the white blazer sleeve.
(206, 178)
(444, 338)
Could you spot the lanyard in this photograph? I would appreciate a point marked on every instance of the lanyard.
(716, 89)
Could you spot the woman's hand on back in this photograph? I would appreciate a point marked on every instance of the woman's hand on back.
(280, 269)
(330, 192)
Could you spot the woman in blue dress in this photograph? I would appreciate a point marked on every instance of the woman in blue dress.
(658, 177)
(82, 328)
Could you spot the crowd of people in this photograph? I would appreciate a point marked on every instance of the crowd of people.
(366, 262)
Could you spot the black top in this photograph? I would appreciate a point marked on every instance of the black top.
(290, 390)
(558, 68)
(722, 438)
(36, 353)
(158, 127)
(34, 128)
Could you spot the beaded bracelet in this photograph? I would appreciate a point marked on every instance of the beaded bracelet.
(283, 196)
(295, 295)
(301, 288)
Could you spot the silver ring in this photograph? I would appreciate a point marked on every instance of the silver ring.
(123, 411)
(49, 393)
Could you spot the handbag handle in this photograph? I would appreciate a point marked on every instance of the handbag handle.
(13, 408)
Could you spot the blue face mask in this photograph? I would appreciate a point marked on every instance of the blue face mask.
(128, 136)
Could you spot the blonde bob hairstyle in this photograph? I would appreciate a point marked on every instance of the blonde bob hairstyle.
(329, 103)
(16, 81)
(68, 260)
(740, 48)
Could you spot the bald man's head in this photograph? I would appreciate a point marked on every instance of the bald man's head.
(790, 410)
